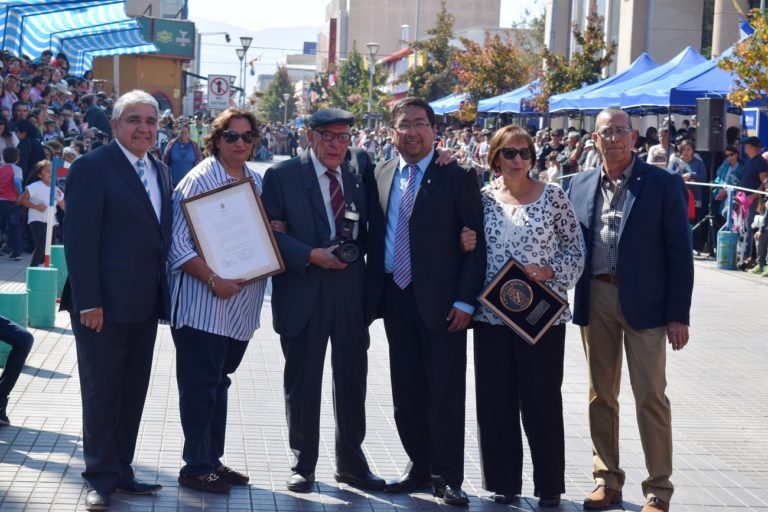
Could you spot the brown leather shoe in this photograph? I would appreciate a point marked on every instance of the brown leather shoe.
(655, 504)
(602, 497)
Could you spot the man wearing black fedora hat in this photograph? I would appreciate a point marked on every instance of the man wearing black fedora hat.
(321, 297)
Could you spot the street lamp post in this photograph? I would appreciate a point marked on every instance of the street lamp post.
(285, 108)
(373, 49)
(246, 42)
(241, 55)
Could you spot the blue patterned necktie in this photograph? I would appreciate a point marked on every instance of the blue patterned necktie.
(140, 166)
(401, 272)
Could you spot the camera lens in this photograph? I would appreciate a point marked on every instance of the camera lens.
(348, 252)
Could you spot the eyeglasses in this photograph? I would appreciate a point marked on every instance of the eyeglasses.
(609, 133)
(418, 125)
(729, 155)
(511, 153)
(343, 137)
(230, 137)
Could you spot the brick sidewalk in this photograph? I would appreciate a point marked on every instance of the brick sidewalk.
(718, 387)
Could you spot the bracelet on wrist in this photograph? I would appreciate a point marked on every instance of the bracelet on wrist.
(211, 284)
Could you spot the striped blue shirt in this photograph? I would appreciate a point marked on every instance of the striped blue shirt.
(192, 303)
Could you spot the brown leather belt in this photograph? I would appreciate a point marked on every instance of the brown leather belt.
(607, 278)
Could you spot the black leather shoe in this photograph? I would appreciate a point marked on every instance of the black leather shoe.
(212, 483)
(549, 501)
(94, 500)
(505, 499)
(232, 477)
(367, 480)
(408, 482)
(452, 495)
(135, 488)
(298, 482)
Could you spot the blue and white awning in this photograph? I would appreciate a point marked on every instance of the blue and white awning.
(81, 29)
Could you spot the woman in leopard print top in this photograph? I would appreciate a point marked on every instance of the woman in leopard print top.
(534, 223)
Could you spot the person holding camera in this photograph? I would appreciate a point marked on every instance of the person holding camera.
(322, 200)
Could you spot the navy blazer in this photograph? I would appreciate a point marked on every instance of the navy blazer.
(115, 246)
(291, 193)
(447, 200)
(655, 267)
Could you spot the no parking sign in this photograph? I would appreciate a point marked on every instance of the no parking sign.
(218, 91)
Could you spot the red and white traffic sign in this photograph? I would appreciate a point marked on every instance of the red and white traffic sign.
(218, 91)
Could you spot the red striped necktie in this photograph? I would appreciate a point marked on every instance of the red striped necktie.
(337, 198)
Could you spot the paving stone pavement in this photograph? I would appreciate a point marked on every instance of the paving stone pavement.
(718, 387)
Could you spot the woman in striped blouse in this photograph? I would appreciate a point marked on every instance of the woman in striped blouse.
(212, 318)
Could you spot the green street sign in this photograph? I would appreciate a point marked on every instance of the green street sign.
(172, 37)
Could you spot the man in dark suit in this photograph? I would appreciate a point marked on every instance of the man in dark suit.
(321, 296)
(425, 288)
(635, 292)
(116, 243)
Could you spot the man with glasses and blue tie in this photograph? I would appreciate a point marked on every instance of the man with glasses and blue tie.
(116, 244)
(634, 294)
(425, 287)
(320, 296)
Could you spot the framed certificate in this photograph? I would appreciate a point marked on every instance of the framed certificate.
(232, 232)
(528, 307)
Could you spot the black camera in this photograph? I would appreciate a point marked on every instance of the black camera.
(348, 249)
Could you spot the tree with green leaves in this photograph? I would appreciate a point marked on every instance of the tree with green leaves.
(495, 67)
(351, 86)
(271, 107)
(748, 63)
(585, 67)
(434, 78)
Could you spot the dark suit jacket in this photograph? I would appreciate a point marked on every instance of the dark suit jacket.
(655, 264)
(291, 193)
(448, 200)
(115, 246)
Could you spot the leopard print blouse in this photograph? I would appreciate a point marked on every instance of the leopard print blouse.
(544, 232)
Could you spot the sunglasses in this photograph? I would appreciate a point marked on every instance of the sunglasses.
(729, 155)
(230, 137)
(511, 153)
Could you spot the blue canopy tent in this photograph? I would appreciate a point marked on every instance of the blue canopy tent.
(448, 104)
(516, 101)
(610, 96)
(678, 93)
(32, 26)
(571, 101)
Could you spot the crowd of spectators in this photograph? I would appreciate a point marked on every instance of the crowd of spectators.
(45, 114)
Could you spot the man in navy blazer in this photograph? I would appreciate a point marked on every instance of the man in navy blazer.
(116, 242)
(425, 288)
(635, 292)
(320, 296)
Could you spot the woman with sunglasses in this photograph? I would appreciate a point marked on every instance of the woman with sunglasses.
(534, 223)
(213, 318)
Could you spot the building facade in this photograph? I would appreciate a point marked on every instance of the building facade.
(364, 21)
(661, 28)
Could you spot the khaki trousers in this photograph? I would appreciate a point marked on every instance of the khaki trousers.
(605, 338)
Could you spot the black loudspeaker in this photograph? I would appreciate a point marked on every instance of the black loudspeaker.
(710, 135)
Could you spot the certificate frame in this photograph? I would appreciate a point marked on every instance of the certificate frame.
(527, 306)
(234, 215)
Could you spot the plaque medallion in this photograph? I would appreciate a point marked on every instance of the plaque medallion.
(516, 295)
